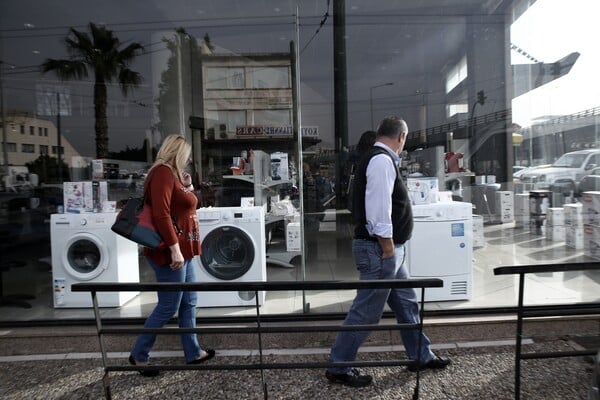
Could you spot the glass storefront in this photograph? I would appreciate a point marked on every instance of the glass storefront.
(500, 97)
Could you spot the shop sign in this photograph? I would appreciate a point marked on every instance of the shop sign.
(307, 131)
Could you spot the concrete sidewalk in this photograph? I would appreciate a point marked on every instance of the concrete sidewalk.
(64, 363)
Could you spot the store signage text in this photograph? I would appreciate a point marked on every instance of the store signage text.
(257, 130)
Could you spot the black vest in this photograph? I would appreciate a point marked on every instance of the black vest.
(402, 219)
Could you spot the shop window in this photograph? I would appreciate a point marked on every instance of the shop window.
(281, 117)
(225, 78)
(453, 109)
(27, 148)
(270, 77)
(226, 121)
(456, 75)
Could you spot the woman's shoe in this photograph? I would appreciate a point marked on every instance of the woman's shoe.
(150, 373)
(210, 353)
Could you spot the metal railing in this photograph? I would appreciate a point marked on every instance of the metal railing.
(524, 311)
(258, 328)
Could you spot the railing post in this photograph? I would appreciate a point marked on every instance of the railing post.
(260, 353)
(105, 377)
(519, 336)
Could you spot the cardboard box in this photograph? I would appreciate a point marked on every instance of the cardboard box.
(78, 197)
(478, 238)
(591, 208)
(574, 236)
(293, 239)
(573, 214)
(280, 166)
(423, 190)
(591, 241)
(521, 221)
(522, 204)
(100, 195)
(555, 216)
(555, 233)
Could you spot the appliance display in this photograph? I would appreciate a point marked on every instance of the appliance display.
(447, 228)
(233, 250)
(84, 249)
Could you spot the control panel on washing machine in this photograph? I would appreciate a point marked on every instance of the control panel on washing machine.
(229, 214)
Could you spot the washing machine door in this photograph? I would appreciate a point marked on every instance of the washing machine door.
(84, 256)
(227, 253)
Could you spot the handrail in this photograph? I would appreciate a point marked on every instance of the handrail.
(95, 287)
(531, 312)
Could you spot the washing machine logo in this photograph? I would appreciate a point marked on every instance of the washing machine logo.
(227, 253)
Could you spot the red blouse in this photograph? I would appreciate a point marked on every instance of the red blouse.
(169, 198)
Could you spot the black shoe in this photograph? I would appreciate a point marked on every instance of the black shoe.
(150, 373)
(436, 362)
(352, 378)
(210, 353)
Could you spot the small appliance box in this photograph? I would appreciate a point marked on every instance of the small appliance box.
(423, 190)
(591, 208)
(555, 216)
(292, 237)
(78, 197)
(280, 166)
(521, 204)
(573, 214)
(591, 241)
(100, 195)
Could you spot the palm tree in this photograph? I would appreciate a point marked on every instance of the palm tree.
(103, 55)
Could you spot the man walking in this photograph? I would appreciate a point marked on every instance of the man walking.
(383, 223)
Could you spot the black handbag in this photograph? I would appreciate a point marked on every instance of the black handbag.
(134, 222)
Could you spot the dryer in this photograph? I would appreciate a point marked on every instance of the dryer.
(233, 250)
(84, 249)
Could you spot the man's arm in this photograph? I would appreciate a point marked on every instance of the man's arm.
(381, 175)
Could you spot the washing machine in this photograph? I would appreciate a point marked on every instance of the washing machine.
(84, 249)
(441, 247)
(233, 250)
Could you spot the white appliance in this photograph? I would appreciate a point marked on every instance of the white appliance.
(441, 247)
(233, 250)
(84, 249)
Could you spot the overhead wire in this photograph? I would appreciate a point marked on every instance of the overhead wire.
(321, 24)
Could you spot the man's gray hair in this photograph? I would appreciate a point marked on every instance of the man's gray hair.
(392, 127)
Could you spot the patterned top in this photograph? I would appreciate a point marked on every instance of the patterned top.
(169, 198)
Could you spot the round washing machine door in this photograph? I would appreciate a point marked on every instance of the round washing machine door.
(227, 253)
(85, 256)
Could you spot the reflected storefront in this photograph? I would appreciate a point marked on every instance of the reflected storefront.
(274, 96)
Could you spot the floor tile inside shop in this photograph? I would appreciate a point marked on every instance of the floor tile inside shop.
(330, 258)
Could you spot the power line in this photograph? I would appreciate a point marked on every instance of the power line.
(321, 24)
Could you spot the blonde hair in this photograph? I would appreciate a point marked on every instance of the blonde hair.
(174, 152)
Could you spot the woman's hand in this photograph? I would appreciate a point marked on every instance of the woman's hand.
(176, 257)
(187, 182)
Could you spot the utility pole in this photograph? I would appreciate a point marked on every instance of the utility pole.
(58, 139)
(4, 150)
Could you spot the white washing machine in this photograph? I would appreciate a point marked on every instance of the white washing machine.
(233, 250)
(441, 247)
(84, 249)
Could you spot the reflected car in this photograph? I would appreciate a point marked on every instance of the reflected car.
(590, 182)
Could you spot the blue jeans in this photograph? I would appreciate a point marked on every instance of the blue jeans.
(368, 304)
(168, 304)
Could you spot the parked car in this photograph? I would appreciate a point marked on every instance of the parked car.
(567, 171)
(590, 182)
